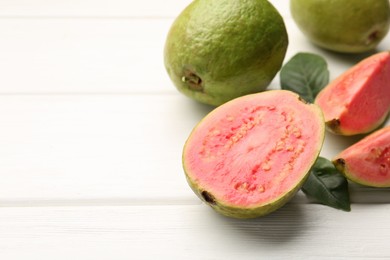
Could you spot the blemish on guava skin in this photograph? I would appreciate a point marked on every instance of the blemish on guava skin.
(334, 124)
(372, 37)
(208, 197)
(341, 163)
(193, 81)
(303, 100)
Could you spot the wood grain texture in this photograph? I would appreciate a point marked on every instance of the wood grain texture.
(92, 9)
(91, 134)
(103, 8)
(91, 147)
(83, 55)
(297, 231)
(106, 55)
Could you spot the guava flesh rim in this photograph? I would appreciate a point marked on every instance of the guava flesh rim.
(358, 101)
(368, 161)
(254, 149)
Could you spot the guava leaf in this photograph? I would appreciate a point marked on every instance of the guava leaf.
(305, 74)
(327, 186)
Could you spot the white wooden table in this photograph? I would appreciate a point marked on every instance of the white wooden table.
(91, 133)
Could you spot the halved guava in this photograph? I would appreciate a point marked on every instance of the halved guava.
(367, 162)
(358, 101)
(249, 156)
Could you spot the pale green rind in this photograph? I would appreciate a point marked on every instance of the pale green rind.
(343, 169)
(334, 127)
(245, 213)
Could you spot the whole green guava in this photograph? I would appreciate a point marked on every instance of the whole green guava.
(347, 26)
(219, 50)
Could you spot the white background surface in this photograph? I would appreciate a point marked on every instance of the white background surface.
(91, 132)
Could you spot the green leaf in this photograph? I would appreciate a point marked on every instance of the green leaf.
(326, 185)
(305, 74)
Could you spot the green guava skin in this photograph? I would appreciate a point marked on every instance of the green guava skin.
(219, 50)
(346, 26)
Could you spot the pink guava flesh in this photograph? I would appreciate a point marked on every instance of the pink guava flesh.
(252, 150)
(358, 101)
(368, 161)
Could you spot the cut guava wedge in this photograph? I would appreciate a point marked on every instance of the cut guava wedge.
(367, 162)
(249, 156)
(358, 101)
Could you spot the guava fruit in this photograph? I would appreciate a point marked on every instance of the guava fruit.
(358, 101)
(249, 156)
(219, 50)
(367, 162)
(349, 26)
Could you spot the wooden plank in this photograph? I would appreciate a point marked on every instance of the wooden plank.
(102, 8)
(192, 232)
(90, 8)
(106, 55)
(123, 148)
(91, 147)
(83, 55)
